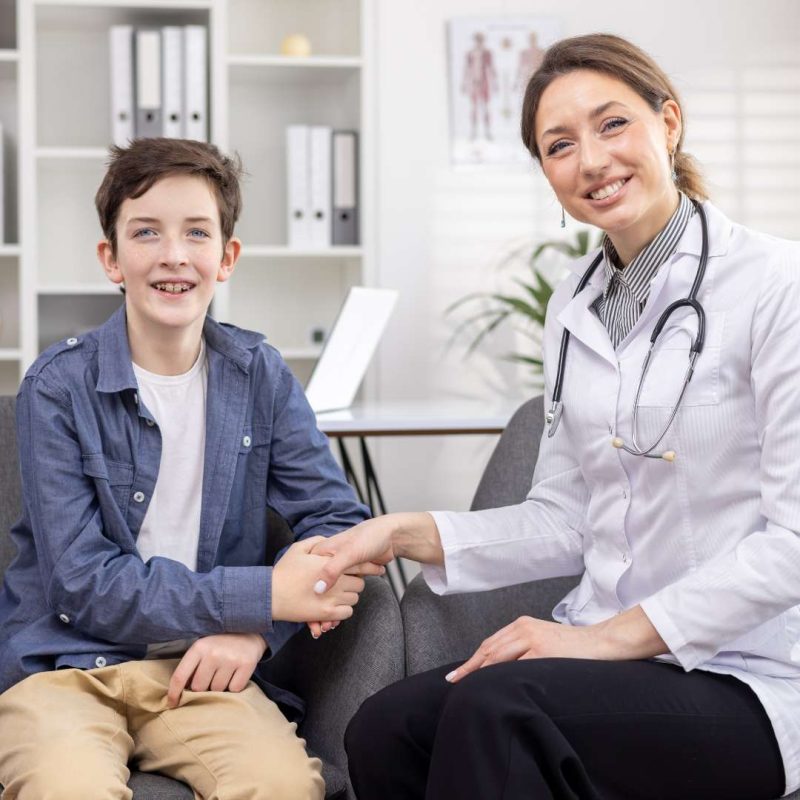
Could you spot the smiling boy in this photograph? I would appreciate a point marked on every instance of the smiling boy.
(140, 605)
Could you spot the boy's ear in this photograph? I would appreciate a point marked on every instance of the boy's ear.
(108, 262)
(229, 258)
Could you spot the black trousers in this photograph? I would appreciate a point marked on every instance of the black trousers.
(569, 729)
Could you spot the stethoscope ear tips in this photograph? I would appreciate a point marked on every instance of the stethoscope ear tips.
(669, 456)
(617, 442)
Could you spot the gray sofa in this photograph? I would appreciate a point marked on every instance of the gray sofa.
(439, 630)
(334, 674)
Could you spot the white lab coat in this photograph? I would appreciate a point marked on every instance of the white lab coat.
(709, 545)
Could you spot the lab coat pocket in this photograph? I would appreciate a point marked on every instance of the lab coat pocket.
(670, 362)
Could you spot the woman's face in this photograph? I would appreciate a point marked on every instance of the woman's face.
(605, 152)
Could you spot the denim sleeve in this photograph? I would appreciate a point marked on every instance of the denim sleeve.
(306, 486)
(99, 585)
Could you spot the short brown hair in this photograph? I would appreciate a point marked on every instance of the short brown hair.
(618, 58)
(133, 170)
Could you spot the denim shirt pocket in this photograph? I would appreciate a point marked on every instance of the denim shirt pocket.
(250, 479)
(112, 479)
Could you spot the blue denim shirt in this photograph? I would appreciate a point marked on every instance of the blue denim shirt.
(78, 594)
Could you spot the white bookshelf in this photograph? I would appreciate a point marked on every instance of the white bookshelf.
(54, 102)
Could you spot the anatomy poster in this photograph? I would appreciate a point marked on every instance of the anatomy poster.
(491, 59)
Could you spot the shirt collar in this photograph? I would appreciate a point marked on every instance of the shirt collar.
(637, 276)
(115, 368)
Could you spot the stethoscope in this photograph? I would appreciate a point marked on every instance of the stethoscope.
(553, 416)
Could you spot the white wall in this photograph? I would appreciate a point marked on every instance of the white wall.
(440, 229)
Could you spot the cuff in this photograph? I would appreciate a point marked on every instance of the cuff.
(442, 579)
(686, 654)
(247, 599)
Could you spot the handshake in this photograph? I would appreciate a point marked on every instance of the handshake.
(319, 580)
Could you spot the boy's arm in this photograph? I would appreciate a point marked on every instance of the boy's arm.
(100, 586)
(305, 486)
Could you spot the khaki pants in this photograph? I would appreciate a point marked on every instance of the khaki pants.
(69, 735)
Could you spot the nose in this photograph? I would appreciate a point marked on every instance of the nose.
(173, 252)
(594, 156)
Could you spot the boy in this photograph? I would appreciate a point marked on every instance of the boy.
(139, 605)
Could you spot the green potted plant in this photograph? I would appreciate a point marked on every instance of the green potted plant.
(524, 307)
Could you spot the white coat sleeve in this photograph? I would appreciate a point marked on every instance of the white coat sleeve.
(542, 537)
(729, 596)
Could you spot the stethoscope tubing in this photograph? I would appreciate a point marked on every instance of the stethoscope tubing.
(553, 416)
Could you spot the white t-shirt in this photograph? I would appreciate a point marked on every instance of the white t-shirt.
(171, 526)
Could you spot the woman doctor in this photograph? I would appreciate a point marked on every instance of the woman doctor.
(673, 669)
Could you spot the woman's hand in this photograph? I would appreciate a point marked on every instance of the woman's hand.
(219, 663)
(629, 635)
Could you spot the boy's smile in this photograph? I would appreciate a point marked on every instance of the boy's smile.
(170, 256)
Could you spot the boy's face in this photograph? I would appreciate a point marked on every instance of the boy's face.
(169, 253)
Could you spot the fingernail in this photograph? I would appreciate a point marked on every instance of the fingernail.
(450, 675)
(383, 571)
(315, 636)
(320, 587)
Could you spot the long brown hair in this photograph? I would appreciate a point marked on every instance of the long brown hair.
(133, 170)
(618, 58)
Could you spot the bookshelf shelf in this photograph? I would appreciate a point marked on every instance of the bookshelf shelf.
(79, 289)
(10, 354)
(82, 153)
(10, 250)
(281, 252)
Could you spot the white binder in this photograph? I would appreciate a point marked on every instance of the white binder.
(122, 107)
(195, 75)
(321, 233)
(149, 120)
(298, 185)
(345, 188)
(172, 80)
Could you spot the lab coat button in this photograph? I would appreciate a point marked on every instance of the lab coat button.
(139, 497)
(64, 618)
(99, 661)
(624, 558)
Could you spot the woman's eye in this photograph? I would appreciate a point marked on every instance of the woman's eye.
(616, 122)
(556, 147)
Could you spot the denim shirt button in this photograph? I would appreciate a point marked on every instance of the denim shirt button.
(139, 497)
(64, 618)
(150, 423)
(100, 661)
(246, 441)
(72, 341)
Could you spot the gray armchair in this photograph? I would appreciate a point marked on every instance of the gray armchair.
(334, 675)
(439, 630)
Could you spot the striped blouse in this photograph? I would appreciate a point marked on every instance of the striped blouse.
(626, 289)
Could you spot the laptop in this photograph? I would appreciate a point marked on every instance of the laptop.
(349, 349)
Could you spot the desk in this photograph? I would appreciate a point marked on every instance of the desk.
(411, 418)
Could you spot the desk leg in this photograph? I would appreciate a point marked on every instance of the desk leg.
(371, 479)
(371, 495)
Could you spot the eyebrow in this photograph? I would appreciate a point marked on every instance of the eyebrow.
(596, 113)
(154, 220)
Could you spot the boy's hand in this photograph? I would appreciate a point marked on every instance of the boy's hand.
(293, 595)
(218, 663)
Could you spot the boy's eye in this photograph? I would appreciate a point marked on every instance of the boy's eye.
(197, 233)
(142, 233)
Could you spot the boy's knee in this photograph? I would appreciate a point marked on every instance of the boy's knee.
(299, 783)
(67, 773)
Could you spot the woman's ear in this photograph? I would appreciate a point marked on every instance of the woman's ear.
(673, 123)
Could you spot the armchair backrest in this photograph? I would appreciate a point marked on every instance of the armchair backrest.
(440, 630)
